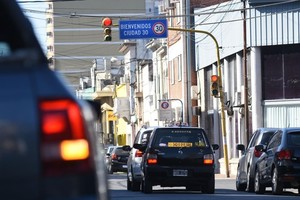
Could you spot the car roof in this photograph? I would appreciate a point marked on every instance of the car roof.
(19, 35)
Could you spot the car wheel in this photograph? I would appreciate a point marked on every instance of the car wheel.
(277, 187)
(258, 187)
(147, 186)
(135, 186)
(250, 184)
(209, 187)
(128, 184)
(239, 186)
(110, 170)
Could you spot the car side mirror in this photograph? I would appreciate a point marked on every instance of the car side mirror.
(240, 147)
(215, 146)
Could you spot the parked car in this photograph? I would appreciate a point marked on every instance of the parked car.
(47, 137)
(178, 156)
(279, 165)
(246, 166)
(108, 153)
(134, 172)
(117, 161)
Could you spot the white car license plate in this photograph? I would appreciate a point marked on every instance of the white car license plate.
(180, 172)
(124, 166)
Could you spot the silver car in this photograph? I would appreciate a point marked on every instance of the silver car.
(246, 166)
(134, 173)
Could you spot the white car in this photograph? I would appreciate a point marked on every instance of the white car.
(134, 173)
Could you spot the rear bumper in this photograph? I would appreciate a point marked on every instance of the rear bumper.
(164, 176)
(119, 167)
(70, 186)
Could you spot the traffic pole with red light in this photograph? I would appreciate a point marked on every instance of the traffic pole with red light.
(106, 25)
(221, 92)
(215, 84)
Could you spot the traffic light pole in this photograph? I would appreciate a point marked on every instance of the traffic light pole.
(221, 92)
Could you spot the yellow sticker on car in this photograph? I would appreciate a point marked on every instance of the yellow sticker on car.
(180, 144)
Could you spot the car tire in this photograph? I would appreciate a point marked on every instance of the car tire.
(128, 184)
(110, 170)
(209, 187)
(147, 186)
(250, 184)
(135, 186)
(258, 187)
(277, 187)
(239, 186)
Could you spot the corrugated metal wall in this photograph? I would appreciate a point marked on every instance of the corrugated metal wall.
(275, 24)
(281, 114)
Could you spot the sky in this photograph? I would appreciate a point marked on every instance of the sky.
(35, 10)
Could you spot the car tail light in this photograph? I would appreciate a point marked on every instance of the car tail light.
(208, 159)
(257, 153)
(151, 159)
(138, 153)
(64, 142)
(114, 156)
(284, 155)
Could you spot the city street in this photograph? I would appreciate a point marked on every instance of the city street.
(225, 190)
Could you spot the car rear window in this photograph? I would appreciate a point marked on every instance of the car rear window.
(180, 138)
(294, 138)
(120, 151)
(145, 136)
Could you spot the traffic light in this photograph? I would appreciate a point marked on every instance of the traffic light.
(215, 84)
(106, 24)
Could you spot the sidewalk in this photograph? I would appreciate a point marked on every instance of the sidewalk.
(223, 176)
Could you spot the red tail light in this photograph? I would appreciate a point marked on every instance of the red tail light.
(138, 153)
(208, 159)
(257, 153)
(64, 142)
(284, 155)
(114, 156)
(152, 159)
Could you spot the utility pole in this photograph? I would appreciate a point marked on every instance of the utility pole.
(246, 109)
(221, 92)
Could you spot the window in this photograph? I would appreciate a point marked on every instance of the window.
(179, 67)
(4, 49)
(280, 74)
(275, 140)
(172, 73)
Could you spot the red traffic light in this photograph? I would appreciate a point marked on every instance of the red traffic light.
(107, 22)
(214, 85)
(214, 78)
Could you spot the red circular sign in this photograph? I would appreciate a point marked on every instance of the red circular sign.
(165, 105)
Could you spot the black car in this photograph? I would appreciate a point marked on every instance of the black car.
(48, 146)
(246, 166)
(279, 165)
(117, 161)
(178, 156)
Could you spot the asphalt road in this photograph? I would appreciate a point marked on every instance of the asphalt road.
(225, 190)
